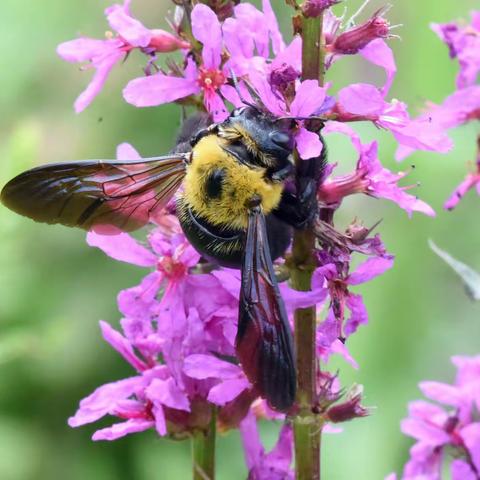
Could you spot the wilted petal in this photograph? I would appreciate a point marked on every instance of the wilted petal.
(122, 247)
(358, 313)
(308, 144)
(119, 430)
(158, 89)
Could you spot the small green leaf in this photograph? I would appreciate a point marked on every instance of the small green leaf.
(470, 277)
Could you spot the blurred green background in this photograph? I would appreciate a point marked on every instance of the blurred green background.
(54, 288)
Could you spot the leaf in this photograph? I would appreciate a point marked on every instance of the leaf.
(470, 277)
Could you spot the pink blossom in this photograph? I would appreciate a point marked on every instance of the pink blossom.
(439, 430)
(274, 465)
(362, 101)
(369, 178)
(463, 42)
(102, 55)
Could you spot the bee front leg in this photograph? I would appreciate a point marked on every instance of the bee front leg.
(299, 208)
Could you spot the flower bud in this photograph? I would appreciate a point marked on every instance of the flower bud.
(350, 409)
(314, 8)
(163, 41)
(351, 41)
(223, 8)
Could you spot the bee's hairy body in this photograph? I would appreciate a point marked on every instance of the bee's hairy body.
(228, 168)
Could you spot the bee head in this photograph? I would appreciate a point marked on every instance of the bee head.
(267, 135)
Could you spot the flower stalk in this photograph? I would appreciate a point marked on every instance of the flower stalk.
(307, 424)
(203, 451)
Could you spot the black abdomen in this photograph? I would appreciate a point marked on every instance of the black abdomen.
(225, 246)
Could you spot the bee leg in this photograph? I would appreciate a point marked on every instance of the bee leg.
(191, 127)
(299, 208)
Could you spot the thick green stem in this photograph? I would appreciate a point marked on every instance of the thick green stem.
(203, 451)
(307, 424)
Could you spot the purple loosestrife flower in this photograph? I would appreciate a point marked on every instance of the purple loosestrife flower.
(452, 428)
(362, 101)
(370, 177)
(463, 42)
(208, 78)
(104, 54)
(274, 465)
(313, 8)
(333, 277)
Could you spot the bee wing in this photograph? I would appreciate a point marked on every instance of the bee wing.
(95, 193)
(264, 341)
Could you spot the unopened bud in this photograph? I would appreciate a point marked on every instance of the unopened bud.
(351, 408)
(352, 41)
(163, 41)
(314, 8)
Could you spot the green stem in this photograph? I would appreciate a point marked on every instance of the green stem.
(203, 451)
(307, 424)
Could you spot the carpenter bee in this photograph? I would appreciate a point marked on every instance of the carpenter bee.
(237, 207)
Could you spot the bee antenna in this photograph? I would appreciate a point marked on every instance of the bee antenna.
(236, 85)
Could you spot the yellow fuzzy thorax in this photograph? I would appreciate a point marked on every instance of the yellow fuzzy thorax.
(241, 183)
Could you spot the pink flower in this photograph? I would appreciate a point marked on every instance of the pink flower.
(104, 54)
(274, 465)
(369, 178)
(208, 79)
(308, 99)
(440, 430)
(362, 101)
(463, 42)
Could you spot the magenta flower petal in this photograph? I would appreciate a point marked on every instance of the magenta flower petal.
(122, 247)
(166, 392)
(429, 434)
(461, 470)
(158, 89)
(309, 97)
(160, 420)
(102, 70)
(227, 390)
(471, 437)
(361, 99)
(379, 53)
(128, 27)
(207, 366)
(103, 400)
(371, 268)
(277, 40)
(119, 430)
(125, 151)
(470, 181)
(308, 144)
(442, 393)
(122, 346)
(85, 49)
(206, 29)
(358, 313)
(215, 106)
(137, 301)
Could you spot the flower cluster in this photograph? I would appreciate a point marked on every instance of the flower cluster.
(448, 429)
(463, 106)
(176, 333)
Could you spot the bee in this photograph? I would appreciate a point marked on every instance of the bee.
(238, 207)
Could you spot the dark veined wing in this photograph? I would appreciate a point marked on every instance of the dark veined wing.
(264, 340)
(96, 193)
